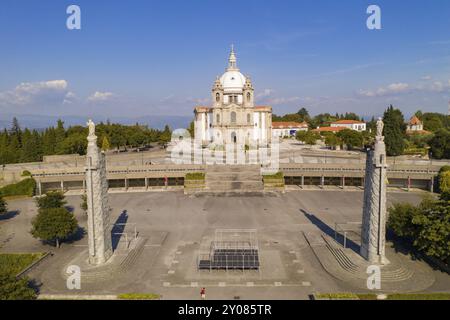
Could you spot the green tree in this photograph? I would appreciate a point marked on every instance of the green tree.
(444, 185)
(84, 205)
(3, 206)
(308, 137)
(351, 138)
(440, 144)
(165, 136)
(105, 144)
(54, 225)
(400, 220)
(433, 236)
(332, 140)
(60, 135)
(12, 288)
(394, 131)
(52, 199)
(426, 226)
(303, 114)
(191, 129)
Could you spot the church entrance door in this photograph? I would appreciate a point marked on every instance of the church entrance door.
(233, 137)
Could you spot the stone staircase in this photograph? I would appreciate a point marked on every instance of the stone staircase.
(390, 272)
(234, 180)
(121, 264)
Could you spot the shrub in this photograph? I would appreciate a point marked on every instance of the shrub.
(195, 176)
(12, 288)
(278, 175)
(25, 187)
(3, 206)
(26, 173)
(139, 296)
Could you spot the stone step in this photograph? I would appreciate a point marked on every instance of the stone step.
(233, 175)
(234, 193)
(233, 168)
(233, 184)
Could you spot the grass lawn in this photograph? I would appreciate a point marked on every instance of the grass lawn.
(395, 296)
(14, 263)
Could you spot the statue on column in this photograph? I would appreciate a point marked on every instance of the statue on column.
(99, 228)
(373, 233)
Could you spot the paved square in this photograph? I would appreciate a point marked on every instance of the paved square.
(178, 227)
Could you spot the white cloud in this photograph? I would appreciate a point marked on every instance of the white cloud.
(99, 96)
(282, 100)
(264, 94)
(427, 78)
(392, 89)
(30, 92)
(440, 86)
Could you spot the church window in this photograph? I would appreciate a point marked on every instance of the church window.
(248, 118)
(233, 117)
(248, 96)
(218, 118)
(217, 97)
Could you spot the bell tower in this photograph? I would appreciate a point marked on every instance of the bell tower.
(248, 94)
(217, 93)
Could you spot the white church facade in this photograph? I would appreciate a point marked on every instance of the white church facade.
(233, 117)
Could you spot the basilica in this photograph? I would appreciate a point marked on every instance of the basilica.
(233, 117)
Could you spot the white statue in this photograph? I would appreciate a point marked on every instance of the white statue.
(380, 127)
(91, 126)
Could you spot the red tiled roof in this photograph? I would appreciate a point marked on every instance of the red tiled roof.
(415, 121)
(330, 129)
(291, 124)
(263, 108)
(347, 122)
(202, 109)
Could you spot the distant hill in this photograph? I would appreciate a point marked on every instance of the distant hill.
(43, 121)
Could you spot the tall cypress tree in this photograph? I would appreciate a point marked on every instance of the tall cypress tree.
(394, 131)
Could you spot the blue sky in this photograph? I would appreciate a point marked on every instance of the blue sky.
(141, 58)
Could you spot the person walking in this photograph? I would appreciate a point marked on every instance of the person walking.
(203, 293)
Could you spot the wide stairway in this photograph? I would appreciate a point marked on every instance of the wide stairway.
(234, 180)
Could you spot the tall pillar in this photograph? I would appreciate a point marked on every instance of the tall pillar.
(303, 182)
(343, 182)
(40, 188)
(432, 185)
(62, 185)
(373, 233)
(99, 228)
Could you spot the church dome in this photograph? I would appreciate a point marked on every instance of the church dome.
(232, 81)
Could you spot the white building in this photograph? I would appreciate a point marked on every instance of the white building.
(415, 124)
(288, 129)
(350, 124)
(233, 116)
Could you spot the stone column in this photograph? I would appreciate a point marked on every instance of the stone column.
(99, 228)
(373, 233)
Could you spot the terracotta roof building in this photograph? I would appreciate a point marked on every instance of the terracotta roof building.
(350, 124)
(288, 129)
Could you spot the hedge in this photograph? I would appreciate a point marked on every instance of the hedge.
(195, 176)
(25, 187)
(139, 296)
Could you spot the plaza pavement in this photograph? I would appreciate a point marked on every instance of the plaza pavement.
(178, 226)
